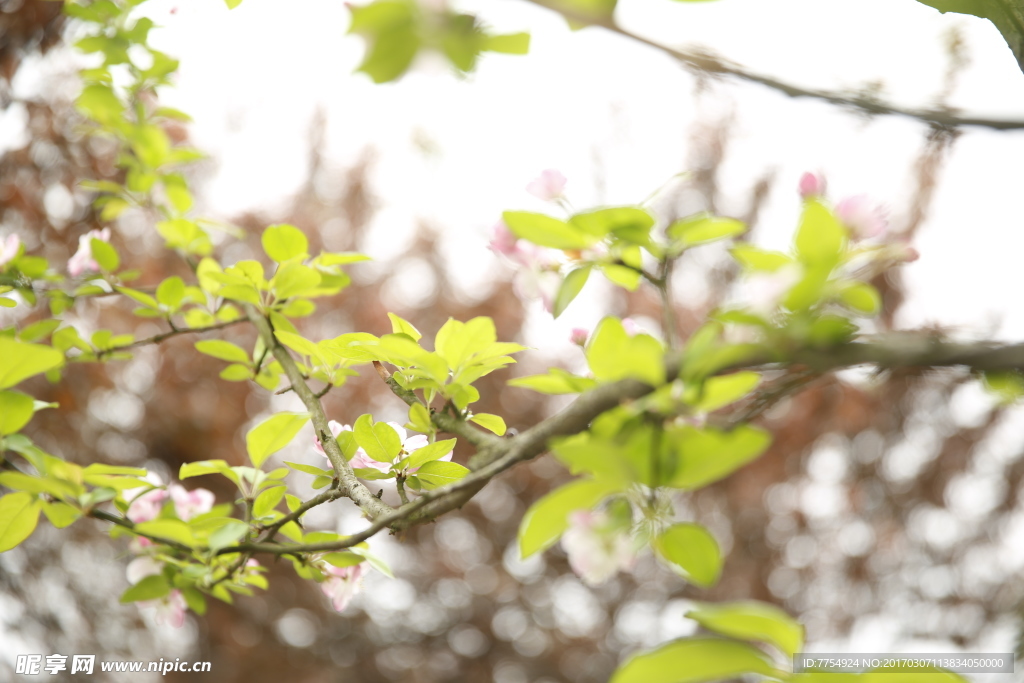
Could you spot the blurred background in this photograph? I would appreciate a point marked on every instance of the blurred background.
(888, 514)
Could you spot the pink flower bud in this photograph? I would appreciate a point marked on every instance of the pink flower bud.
(812, 185)
(579, 336)
(548, 186)
(9, 249)
(503, 241)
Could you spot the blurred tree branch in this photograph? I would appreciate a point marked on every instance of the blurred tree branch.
(710, 64)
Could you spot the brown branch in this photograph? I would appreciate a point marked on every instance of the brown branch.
(175, 331)
(706, 63)
(350, 486)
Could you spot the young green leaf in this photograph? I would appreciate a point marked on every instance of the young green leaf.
(490, 422)
(16, 409)
(546, 231)
(272, 435)
(692, 552)
(380, 440)
(19, 360)
(548, 518)
(751, 620)
(439, 473)
(571, 286)
(19, 514)
(694, 660)
(284, 242)
(401, 326)
(223, 350)
(430, 452)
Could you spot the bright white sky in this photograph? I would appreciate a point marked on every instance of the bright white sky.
(254, 77)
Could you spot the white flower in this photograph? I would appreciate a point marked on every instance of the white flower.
(597, 548)
(9, 249)
(341, 584)
(169, 609)
(863, 218)
(83, 261)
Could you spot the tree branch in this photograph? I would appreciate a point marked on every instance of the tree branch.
(350, 486)
(157, 338)
(896, 350)
(707, 63)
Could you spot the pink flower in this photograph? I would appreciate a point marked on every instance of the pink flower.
(336, 428)
(503, 241)
(812, 185)
(341, 584)
(83, 261)
(548, 186)
(9, 249)
(597, 549)
(861, 217)
(631, 328)
(579, 336)
(188, 504)
(169, 609)
(147, 506)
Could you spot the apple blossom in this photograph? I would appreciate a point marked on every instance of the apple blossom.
(812, 185)
(141, 567)
(147, 506)
(861, 217)
(83, 261)
(597, 547)
(579, 336)
(9, 249)
(549, 185)
(336, 428)
(409, 444)
(188, 504)
(169, 609)
(341, 584)
(537, 283)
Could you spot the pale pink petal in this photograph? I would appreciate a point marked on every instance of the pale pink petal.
(579, 336)
(9, 249)
(863, 218)
(363, 461)
(147, 507)
(548, 186)
(141, 567)
(399, 429)
(596, 551)
(342, 584)
(414, 442)
(336, 429)
(189, 504)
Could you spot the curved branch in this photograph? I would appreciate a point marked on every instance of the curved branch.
(896, 350)
(349, 484)
(707, 63)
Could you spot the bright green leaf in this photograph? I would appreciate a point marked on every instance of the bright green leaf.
(490, 422)
(694, 660)
(19, 514)
(751, 620)
(16, 409)
(692, 552)
(548, 518)
(19, 360)
(272, 435)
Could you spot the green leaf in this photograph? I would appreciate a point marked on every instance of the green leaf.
(392, 32)
(510, 44)
(201, 467)
(19, 360)
(456, 342)
(298, 343)
(614, 355)
(232, 4)
(401, 326)
(751, 620)
(820, 237)
(16, 409)
(571, 286)
(19, 514)
(380, 440)
(295, 279)
(704, 228)
(623, 276)
(223, 350)
(60, 514)
(628, 223)
(1008, 385)
(430, 452)
(694, 660)
(692, 552)
(718, 392)
(557, 381)
(272, 435)
(343, 559)
(310, 469)
(236, 372)
(861, 297)
(707, 455)
(754, 259)
(169, 529)
(268, 500)
(546, 231)
(439, 473)
(152, 587)
(228, 534)
(171, 291)
(548, 518)
(490, 422)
